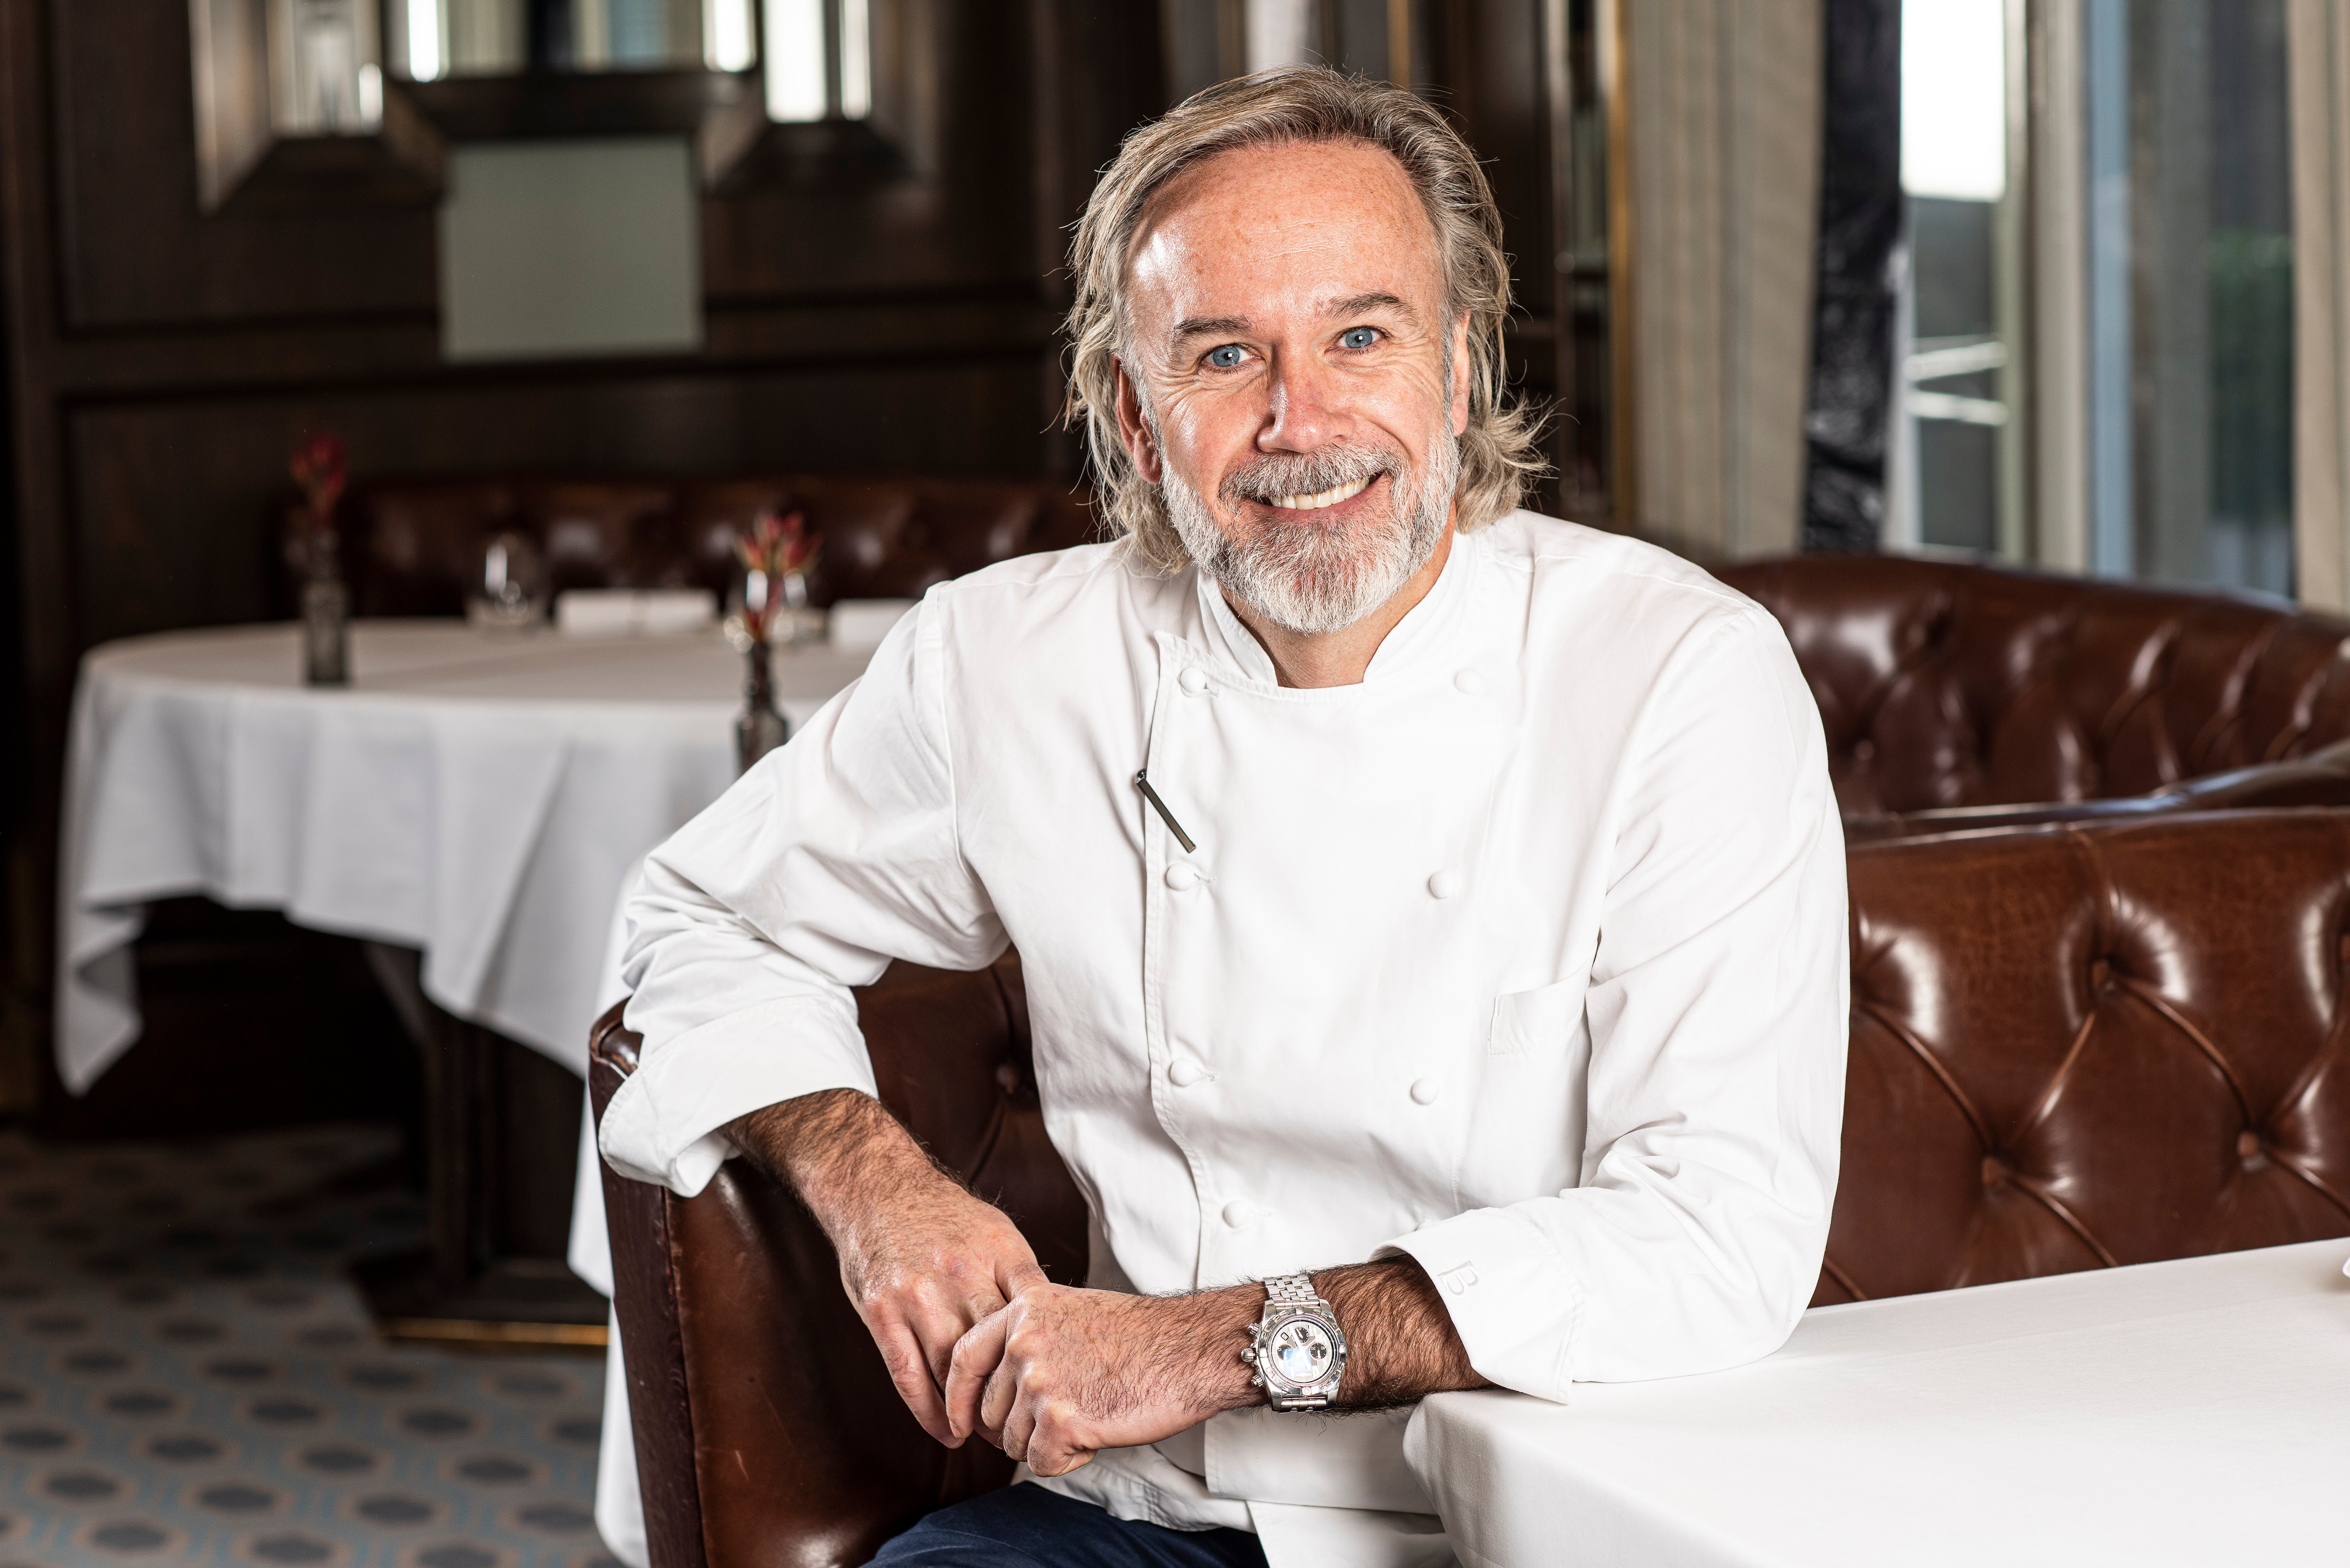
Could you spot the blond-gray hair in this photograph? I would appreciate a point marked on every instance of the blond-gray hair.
(1499, 450)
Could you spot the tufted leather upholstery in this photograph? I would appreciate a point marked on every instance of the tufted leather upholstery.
(2071, 1046)
(1945, 685)
(2077, 1046)
(413, 546)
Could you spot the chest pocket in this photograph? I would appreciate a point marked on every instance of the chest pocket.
(1537, 1022)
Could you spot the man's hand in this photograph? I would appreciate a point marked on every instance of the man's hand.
(920, 1258)
(1060, 1374)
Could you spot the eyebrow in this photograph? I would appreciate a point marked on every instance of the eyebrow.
(1377, 300)
(1201, 325)
(1355, 304)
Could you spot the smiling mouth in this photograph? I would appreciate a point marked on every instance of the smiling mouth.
(1321, 498)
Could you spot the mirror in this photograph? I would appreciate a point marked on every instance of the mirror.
(431, 39)
(301, 103)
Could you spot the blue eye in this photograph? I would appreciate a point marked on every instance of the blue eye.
(1225, 358)
(1358, 337)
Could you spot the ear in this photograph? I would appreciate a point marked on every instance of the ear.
(1133, 430)
(1461, 377)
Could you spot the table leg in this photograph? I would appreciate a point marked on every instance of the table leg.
(473, 1283)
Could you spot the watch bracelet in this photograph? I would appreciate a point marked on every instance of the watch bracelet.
(1286, 1291)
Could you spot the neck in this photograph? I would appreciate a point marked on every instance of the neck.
(1341, 658)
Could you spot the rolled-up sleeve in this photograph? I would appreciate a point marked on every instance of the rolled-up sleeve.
(831, 857)
(1717, 1018)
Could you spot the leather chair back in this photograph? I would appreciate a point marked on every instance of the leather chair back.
(1943, 684)
(2072, 1047)
(767, 1429)
(413, 546)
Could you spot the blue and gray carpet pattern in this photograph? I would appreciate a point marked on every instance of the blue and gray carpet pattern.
(186, 1377)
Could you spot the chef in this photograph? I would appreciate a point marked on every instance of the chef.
(1433, 913)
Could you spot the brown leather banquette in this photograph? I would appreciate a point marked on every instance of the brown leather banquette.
(1954, 695)
(413, 546)
(1957, 696)
(2073, 1046)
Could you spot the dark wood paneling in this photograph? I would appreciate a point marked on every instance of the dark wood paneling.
(874, 301)
(137, 253)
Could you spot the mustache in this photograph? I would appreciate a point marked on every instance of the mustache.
(1307, 473)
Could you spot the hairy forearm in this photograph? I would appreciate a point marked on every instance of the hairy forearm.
(835, 1149)
(1400, 1342)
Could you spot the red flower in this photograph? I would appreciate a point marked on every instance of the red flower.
(319, 466)
(771, 548)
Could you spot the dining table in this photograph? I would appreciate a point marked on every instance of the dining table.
(2189, 1412)
(472, 804)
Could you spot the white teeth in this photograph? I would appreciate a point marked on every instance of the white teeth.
(1320, 498)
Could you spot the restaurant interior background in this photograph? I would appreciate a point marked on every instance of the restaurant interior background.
(2058, 282)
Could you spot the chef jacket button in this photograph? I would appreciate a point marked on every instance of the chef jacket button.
(1425, 1090)
(1240, 1213)
(1469, 682)
(1445, 885)
(1194, 681)
(1185, 1074)
(1182, 876)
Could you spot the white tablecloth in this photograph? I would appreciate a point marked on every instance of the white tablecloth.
(480, 797)
(2195, 1412)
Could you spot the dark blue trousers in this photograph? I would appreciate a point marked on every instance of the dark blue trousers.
(1029, 1526)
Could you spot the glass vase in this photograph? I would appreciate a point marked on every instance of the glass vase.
(759, 729)
(326, 618)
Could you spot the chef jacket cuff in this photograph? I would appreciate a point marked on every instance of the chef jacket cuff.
(1514, 1302)
(662, 1123)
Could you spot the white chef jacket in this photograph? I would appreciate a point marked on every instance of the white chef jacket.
(1525, 956)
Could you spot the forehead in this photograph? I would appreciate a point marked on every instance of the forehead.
(1259, 227)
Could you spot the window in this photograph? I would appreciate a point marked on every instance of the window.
(2097, 356)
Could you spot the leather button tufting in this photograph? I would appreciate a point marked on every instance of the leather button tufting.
(1864, 750)
(2247, 1145)
(2101, 975)
(1994, 1170)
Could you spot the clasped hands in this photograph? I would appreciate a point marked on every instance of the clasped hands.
(978, 1341)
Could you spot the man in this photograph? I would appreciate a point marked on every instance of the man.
(1432, 909)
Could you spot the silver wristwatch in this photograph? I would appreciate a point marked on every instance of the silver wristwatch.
(1296, 1345)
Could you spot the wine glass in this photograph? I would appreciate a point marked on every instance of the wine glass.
(511, 593)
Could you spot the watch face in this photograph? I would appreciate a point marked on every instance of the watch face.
(1302, 1351)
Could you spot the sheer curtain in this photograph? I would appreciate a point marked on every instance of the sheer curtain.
(1724, 158)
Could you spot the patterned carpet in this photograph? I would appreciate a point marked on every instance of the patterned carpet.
(185, 1377)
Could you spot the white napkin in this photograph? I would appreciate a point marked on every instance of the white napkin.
(634, 612)
(857, 626)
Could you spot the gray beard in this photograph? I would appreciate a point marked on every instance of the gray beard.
(1306, 577)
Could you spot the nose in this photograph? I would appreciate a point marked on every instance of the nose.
(1306, 412)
